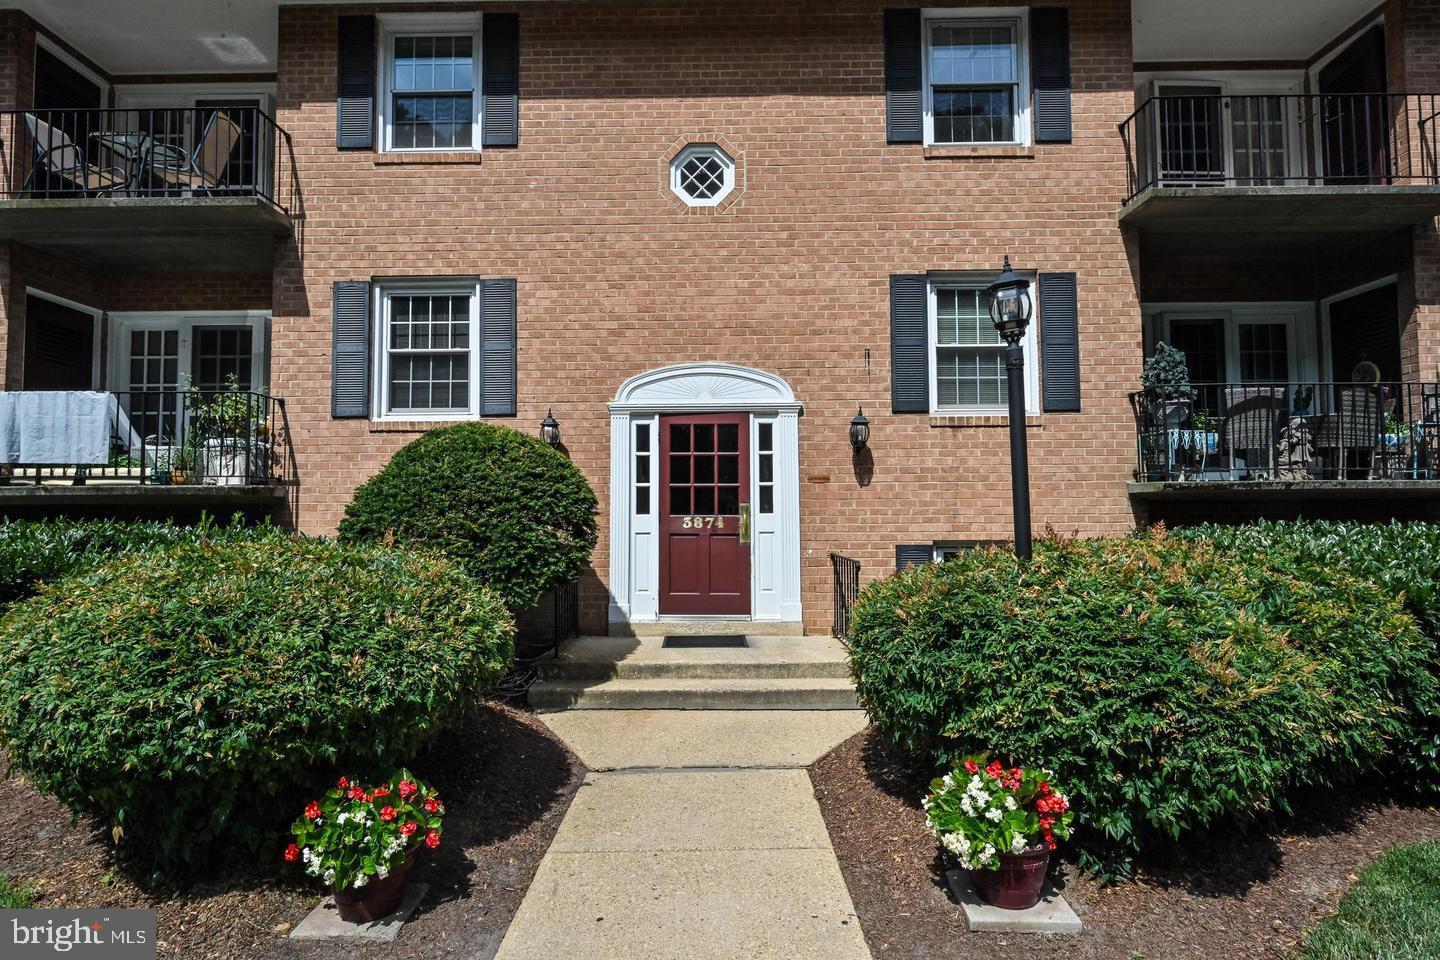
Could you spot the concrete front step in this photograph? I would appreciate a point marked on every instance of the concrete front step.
(644, 658)
(706, 627)
(820, 693)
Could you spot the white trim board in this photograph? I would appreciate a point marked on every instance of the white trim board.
(634, 537)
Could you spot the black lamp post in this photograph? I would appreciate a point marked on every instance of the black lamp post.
(550, 429)
(860, 431)
(1010, 311)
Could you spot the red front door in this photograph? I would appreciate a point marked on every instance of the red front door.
(705, 483)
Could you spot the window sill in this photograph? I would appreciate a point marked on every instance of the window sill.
(403, 158)
(980, 420)
(979, 152)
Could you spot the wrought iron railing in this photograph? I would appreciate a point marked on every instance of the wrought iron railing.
(155, 437)
(540, 635)
(216, 151)
(845, 575)
(1205, 140)
(1290, 431)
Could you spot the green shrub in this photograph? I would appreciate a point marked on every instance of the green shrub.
(515, 513)
(1169, 686)
(190, 696)
(1402, 558)
(44, 551)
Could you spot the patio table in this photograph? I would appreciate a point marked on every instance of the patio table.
(133, 149)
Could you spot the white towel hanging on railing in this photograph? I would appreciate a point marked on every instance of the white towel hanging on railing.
(56, 428)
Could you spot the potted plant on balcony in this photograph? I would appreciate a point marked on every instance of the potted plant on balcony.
(232, 433)
(1000, 824)
(363, 841)
(1165, 380)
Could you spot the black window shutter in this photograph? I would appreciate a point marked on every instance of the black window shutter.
(497, 351)
(1050, 40)
(903, 53)
(1060, 342)
(501, 91)
(913, 555)
(355, 102)
(909, 344)
(350, 349)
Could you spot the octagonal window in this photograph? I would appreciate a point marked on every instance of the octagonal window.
(702, 175)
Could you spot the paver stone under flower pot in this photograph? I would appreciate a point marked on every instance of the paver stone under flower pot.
(378, 898)
(1017, 883)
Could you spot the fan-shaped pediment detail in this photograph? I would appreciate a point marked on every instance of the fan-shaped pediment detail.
(707, 383)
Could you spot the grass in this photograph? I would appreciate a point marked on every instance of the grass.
(13, 897)
(1391, 913)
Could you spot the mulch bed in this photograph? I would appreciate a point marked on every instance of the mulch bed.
(507, 782)
(1236, 896)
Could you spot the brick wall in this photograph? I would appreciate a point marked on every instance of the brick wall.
(614, 279)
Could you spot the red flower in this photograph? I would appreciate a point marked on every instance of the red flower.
(407, 789)
(432, 839)
(356, 794)
(342, 783)
(432, 805)
(972, 767)
(410, 828)
(995, 769)
(381, 791)
(387, 814)
(312, 811)
(292, 853)
(1050, 844)
(1044, 788)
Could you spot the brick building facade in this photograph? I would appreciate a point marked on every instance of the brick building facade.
(780, 294)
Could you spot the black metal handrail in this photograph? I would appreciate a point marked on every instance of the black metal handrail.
(171, 152)
(174, 438)
(1205, 140)
(1309, 430)
(846, 580)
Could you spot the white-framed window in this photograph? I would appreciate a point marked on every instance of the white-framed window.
(1240, 342)
(702, 175)
(427, 366)
(430, 82)
(967, 356)
(977, 76)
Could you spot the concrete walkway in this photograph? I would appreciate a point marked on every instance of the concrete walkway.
(696, 835)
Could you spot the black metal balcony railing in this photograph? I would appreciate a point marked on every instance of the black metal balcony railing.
(1282, 140)
(206, 152)
(1291, 431)
(179, 438)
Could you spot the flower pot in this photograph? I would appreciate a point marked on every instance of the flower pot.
(378, 898)
(1016, 884)
(234, 461)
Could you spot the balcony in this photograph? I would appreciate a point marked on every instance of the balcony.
(183, 190)
(144, 448)
(1269, 444)
(1311, 169)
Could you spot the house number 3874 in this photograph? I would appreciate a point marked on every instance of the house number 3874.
(707, 523)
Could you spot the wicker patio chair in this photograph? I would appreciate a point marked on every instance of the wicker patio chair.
(1250, 423)
(1353, 427)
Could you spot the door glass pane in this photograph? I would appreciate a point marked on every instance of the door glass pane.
(1191, 135)
(642, 501)
(680, 468)
(729, 437)
(704, 469)
(679, 501)
(704, 437)
(679, 437)
(729, 503)
(729, 468)
(1264, 352)
(704, 501)
(767, 499)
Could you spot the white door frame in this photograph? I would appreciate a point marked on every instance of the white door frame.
(634, 537)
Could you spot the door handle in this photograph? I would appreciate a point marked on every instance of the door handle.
(744, 523)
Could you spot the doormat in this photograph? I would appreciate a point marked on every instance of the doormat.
(692, 643)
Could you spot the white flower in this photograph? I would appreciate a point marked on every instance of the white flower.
(329, 876)
(1019, 844)
(967, 805)
(1010, 802)
(382, 871)
(306, 855)
(361, 880)
(994, 814)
